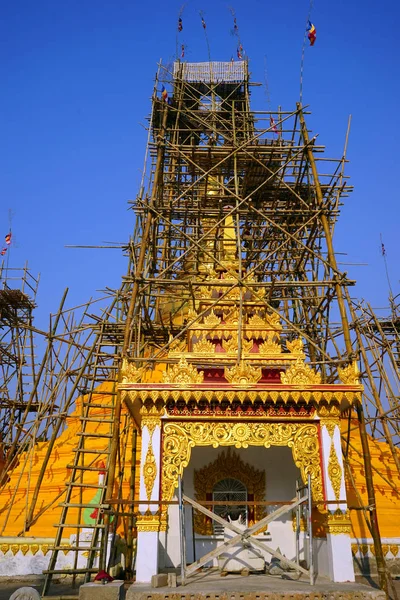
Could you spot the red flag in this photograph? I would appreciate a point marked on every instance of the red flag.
(182, 51)
(180, 24)
(8, 238)
(312, 33)
(2, 253)
(273, 125)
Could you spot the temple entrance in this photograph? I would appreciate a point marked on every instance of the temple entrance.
(236, 484)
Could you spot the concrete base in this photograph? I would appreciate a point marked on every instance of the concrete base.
(208, 584)
(97, 591)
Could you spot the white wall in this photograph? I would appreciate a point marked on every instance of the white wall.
(280, 479)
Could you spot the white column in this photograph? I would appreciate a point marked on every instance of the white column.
(338, 521)
(148, 521)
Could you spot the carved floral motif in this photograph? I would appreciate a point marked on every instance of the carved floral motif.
(270, 347)
(334, 471)
(243, 374)
(300, 374)
(151, 417)
(212, 320)
(149, 470)
(339, 522)
(204, 346)
(295, 346)
(349, 375)
(183, 374)
(130, 374)
(227, 464)
(180, 438)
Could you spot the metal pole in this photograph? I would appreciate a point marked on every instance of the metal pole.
(297, 513)
(182, 530)
(310, 536)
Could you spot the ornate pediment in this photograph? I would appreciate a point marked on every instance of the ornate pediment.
(270, 347)
(350, 375)
(129, 372)
(183, 374)
(300, 374)
(204, 346)
(212, 320)
(243, 374)
(257, 321)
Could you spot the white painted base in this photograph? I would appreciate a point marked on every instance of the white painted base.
(340, 559)
(147, 556)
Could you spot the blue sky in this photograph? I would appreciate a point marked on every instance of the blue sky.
(76, 84)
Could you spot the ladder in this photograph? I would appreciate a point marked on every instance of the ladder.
(92, 454)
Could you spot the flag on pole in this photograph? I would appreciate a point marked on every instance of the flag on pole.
(235, 27)
(8, 238)
(312, 33)
(2, 253)
(273, 125)
(383, 249)
(203, 23)
(240, 51)
(164, 94)
(182, 51)
(180, 24)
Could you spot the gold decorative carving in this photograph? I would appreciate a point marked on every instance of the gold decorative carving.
(176, 347)
(300, 374)
(227, 464)
(354, 549)
(45, 548)
(394, 549)
(385, 549)
(231, 346)
(183, 374)
(295, 347)
(5, 548)
(372, 549)
(257, 321)
(274, 321)
(148, 521)
(14, 548)
(364, 549)
(270, 347)
(334, 471)
(130, 374)
(24, 548)
(34, 549)
(330, 424)
(243, 374)
(151, 417)
(349, 375)
(204, 346)
(339, 522)
(212, 320)
(232, 317)
(149, 470)
(329, 417)
(180, 438)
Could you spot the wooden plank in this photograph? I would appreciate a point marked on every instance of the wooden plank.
(241, 533)
(264, 546)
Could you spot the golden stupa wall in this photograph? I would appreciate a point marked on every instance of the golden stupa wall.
(16, 497)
